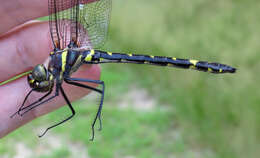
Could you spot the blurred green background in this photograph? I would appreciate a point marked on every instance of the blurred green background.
(156, 112)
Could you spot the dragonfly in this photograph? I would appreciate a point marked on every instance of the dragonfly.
(78, 29)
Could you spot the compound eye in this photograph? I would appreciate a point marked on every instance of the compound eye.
(39, 73)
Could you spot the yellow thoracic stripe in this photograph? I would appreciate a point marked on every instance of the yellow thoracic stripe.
(51, 77)
(130, 55)
(109, 53)
(174, 59)
(89, 56)
(220, 70)
(210, 70)
(31, 81)
(63, 59)
(152, 56)
(194, 62)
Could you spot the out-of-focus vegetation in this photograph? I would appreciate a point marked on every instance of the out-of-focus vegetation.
(196, 114)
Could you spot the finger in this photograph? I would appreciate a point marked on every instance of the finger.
(16, 12)
(23, 48)
(12, 97)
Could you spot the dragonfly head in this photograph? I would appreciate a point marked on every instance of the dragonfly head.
(41, 79)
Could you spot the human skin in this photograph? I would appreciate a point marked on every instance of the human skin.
(23, 44)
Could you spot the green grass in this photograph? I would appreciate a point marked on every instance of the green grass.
(215, 116)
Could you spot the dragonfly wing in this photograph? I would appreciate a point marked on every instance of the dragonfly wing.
(94, 17)
(83, 22)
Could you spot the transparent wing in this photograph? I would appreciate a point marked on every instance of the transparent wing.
(81, 22)
(95, 19)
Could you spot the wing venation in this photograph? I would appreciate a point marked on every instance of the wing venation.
(83, 23)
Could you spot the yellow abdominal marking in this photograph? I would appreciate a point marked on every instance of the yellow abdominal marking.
(89, 56)
(109, 53)
(210, 70)
(194, 62)
(51, 53)
(130, 55)
(174, 59)
(220, 70)
(63, 59)
(152, 56)
(147, 62)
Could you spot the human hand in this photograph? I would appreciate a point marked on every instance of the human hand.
(24, 44)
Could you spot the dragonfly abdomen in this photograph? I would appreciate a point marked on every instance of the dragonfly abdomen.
(97, 56)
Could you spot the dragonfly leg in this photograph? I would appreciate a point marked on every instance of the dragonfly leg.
(74, 81)
(40, 101)
(68, 118)
(18, 112)
(30, 107)
(21, 108)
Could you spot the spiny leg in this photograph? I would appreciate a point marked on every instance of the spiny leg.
(32, 106)
(18, 112)
(71, 108)
(98, 114)
(82, 85)
(88, 87)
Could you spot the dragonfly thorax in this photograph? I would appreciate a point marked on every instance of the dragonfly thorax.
(40, 79)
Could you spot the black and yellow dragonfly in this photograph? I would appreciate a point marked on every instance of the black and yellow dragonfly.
(78, 28)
